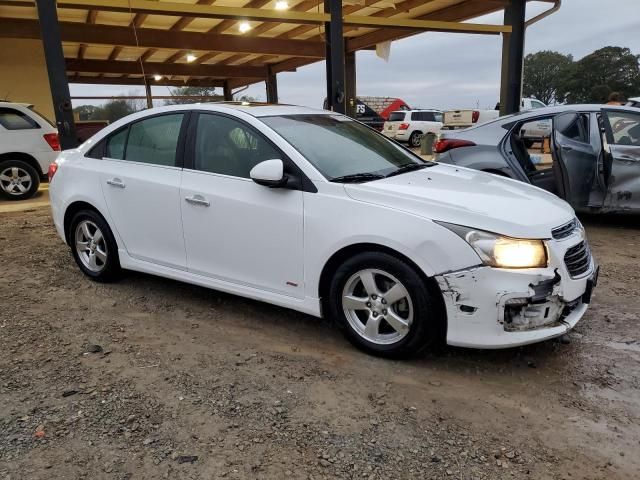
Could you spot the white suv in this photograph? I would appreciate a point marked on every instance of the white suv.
(28, 144)
(410, 125)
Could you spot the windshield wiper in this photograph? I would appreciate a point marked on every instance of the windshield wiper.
(357, 178)
(408, 167)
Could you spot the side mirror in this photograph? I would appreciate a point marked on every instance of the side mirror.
(269, 173)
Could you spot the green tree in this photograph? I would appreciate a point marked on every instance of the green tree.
(199, 94)
(609, 69)
(545, 76)
(113, 110)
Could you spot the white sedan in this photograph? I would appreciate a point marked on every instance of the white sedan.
(316, 212)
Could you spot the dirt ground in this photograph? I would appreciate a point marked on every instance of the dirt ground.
(149, 378)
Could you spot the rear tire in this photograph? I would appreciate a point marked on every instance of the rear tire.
(415, 139)
(383, 306)
(93, 246)
(18, 180)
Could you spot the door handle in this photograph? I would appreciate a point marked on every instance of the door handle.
(566, 148)
(116, 182)
(197, 200)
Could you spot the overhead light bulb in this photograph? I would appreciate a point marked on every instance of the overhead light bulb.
(282, 5)
(191, 57)
(157, 78)
(244, 27)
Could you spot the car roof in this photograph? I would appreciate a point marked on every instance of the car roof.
(6, 103)
(418, 110)
(258, 109)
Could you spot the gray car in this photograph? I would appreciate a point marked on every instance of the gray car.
(589, 155)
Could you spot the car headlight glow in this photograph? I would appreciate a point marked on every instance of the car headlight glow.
(503, 252)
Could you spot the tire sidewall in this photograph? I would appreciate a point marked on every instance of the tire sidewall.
(112, 270)
(35, 179)
(423, 331)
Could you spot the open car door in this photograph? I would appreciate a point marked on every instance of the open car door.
(621, 144)
(574, 158)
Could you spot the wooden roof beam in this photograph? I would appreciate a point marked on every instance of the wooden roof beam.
(158, 68)
(164, 82)
(155, 38)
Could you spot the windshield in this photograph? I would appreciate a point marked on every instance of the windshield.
(339, 146)
(396, 117)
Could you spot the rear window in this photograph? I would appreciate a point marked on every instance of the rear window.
(16, 120)
(396, 116)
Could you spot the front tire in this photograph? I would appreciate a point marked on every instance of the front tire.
(415, 139)
(18, 180)
(93, 246)
(383, 306)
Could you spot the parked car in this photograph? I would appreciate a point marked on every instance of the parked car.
(634, 102)
(594, 162)
(457, 119)
(87, 128)
(410, 125)
(313, 211)
(28, 144)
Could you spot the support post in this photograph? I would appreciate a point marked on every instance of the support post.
(57, 72)
(228, 95)
(147, 89)
(350, 83)
(506, 38)
(335, 57)
(516, 56)
(272, 87)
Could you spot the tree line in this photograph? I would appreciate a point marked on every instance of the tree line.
(553, 78)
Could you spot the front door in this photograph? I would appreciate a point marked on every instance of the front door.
(236, 230)
(140, 179)
(622, 159)
(575, 161)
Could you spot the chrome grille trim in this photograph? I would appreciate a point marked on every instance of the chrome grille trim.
(566, 230)
(577, 259)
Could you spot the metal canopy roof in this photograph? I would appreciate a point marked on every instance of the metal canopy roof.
(102, 46)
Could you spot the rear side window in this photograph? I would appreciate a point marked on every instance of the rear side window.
(578, 130)
(396, 117)
(16, 120)
(154, 140)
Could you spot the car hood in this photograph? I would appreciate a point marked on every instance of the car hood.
(470, 198)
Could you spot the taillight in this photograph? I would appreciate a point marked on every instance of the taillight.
(475, 116)
(53, 141)
(403, 126)
(445, 144)
(53, 168)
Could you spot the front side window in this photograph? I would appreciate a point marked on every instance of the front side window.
(16, 120)
(115, 145)
(624, 128)
(154, 140)
(338, 146)
(229, 147)
(537, 104)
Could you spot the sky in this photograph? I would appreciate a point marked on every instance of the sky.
(451, 70)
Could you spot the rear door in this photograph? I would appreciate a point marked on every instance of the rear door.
(622, 159)
(140, 176)
(574, 158)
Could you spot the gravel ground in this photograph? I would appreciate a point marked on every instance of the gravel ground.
(149, 378)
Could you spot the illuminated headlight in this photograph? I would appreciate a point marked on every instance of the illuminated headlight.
(502, 252)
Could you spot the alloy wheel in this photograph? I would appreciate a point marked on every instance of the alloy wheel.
(377, 306)
(91, 246)
(15, 181)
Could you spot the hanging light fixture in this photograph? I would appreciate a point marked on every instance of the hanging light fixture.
(191, 57)
(244, 27)
(282, 5)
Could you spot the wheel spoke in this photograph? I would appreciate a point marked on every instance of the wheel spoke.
(398, 323)
(102, 256)
(92, 260)
(369, 283)
(372, 328)
(354, 303)
(5, 178)
(21, 187)
(82, 246)
(97, 236)
(395, 293)
(14, 172)
(86, 232)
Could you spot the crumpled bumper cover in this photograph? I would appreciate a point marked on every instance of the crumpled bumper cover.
(500, 308)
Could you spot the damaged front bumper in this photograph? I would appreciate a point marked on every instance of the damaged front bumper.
(499, 308)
